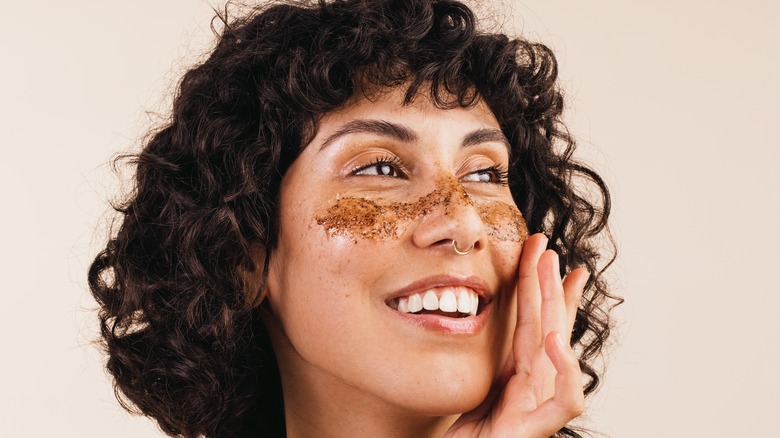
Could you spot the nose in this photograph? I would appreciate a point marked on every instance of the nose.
(453, 225)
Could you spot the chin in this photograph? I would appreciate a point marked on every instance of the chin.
(445, 401)
(456, 386)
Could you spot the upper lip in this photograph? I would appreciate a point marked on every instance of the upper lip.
(472, 282)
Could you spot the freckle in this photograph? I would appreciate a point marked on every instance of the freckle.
(503, 221)
(377, 219)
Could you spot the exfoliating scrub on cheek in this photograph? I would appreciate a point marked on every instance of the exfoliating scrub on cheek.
(378, 219)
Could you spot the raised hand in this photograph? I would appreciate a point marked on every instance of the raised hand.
(540, 390)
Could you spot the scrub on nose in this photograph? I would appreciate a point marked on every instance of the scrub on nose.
(377, 219)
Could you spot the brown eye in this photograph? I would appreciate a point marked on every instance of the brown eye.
(378, 170)
(385, 170)
(489, 175)
(382, 167)
(480, 176)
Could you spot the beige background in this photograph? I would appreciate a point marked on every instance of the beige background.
(672, 102)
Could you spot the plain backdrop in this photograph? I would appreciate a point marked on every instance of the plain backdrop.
(674, 102)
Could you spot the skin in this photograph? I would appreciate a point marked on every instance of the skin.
(350, 365)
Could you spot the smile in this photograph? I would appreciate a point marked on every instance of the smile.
(454, 302)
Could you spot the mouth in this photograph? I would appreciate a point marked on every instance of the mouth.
(449, 304)
(446, 301)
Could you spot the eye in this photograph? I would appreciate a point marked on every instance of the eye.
(385, 166)
(492, 174)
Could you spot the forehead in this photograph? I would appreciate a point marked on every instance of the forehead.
(387, 113)
(420, 102)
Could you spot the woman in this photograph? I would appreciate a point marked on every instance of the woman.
(331, 236)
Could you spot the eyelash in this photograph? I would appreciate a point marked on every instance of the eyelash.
(387, 160)
(501, 175)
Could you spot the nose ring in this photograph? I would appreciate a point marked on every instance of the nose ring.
(459, 252)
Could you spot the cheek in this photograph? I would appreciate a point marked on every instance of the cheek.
(505, 257)
(503, 222)
(507, 231)
(319, 284)
(506, 260)
(303, 276)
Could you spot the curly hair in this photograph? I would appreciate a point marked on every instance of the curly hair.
(179, 319)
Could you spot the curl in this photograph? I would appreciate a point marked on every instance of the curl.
(178, 318)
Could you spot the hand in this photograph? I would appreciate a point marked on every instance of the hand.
(540, 389)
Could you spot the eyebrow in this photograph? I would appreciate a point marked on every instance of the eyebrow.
(407, 135)
(485, 135)
(379, 127)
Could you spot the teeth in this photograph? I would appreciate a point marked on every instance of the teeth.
(415, 303)
(452, 300)
(464, 302)
(448, 302)
(402, 305)
(430, 301)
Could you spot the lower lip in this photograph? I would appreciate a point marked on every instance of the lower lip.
(470, 325)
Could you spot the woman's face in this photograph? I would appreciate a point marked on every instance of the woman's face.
(368, 213)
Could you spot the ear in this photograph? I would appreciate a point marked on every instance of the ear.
(253, 275)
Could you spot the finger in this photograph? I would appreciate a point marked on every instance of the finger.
(507, 371)
(528, 332)
(568, 402)
(553, 311)
(573, 288)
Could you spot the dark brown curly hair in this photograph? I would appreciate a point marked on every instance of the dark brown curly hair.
(179, 319)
